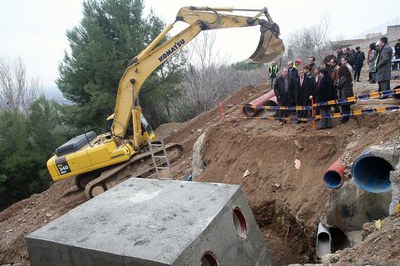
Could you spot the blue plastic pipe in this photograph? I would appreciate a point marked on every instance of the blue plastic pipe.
(372, 173)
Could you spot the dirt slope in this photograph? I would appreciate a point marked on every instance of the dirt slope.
(26, 216)
(258, 155)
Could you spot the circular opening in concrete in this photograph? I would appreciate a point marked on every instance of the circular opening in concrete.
(333, 179)
(209, 259)
(372, 174)
(240, 223)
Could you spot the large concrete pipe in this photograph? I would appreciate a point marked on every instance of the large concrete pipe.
(324, 241)
(371, 170)
(333, 177)
(396, 96)
(349, 207)
(267, 99)
(395, 181)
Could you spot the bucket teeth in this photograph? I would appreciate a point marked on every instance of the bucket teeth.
(269, 48)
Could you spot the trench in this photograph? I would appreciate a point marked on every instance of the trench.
(287, 239)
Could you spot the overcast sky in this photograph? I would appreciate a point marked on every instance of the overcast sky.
(35, 29)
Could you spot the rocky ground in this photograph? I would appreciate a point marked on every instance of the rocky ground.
(279, 168)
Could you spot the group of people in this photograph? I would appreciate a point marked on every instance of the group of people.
(396, 58)
(297, 85)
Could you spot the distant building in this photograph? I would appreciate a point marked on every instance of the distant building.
(373, 35)
(392, 32)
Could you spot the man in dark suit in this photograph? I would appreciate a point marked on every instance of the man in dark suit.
(304, 89)
(325, 93)
(284, 89)
(359, 62)
(292, 70)
(383, 64)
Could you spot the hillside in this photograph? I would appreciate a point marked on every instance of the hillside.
(258, 155)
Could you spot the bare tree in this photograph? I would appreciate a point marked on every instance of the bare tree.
(202, 52)
(209, 77)
(16, 93)
(311, 41)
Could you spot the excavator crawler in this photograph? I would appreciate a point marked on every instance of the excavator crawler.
(100, 162)
(140, 165)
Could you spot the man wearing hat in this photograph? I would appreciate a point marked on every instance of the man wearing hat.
(359, 61)
(383, 62)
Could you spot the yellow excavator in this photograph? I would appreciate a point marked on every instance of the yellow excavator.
(100, 162)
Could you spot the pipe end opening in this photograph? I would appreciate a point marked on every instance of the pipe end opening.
(332, 179)
(372, 174)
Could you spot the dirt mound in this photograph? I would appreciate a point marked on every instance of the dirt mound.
(166, 130)
(379, 247)
(30, 214)
(278, 167)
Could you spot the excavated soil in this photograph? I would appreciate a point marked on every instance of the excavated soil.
(287, 199)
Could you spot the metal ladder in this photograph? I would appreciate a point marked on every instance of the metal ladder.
(160, 160)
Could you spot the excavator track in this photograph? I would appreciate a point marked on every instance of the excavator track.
(140, 165)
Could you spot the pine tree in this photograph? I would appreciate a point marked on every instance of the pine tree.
(110, 34)
(27, 140)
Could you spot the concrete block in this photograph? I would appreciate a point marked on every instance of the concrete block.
(154, 222)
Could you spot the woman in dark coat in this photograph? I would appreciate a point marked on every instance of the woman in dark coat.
(371, 63)
(325, 93)
(345, 90)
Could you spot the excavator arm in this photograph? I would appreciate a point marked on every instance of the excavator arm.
(199, 19)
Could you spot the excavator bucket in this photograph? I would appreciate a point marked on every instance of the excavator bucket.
(270, 47)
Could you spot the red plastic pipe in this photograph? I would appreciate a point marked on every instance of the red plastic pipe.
(267, 99)
(334, 175)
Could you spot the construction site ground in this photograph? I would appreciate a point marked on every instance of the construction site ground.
(287, 200)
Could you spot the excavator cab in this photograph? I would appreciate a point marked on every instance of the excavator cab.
(147, 131)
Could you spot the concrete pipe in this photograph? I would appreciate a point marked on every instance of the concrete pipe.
(371, 170)
(333, 177)
(324, 241)
(396, 96)
(267, 99)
